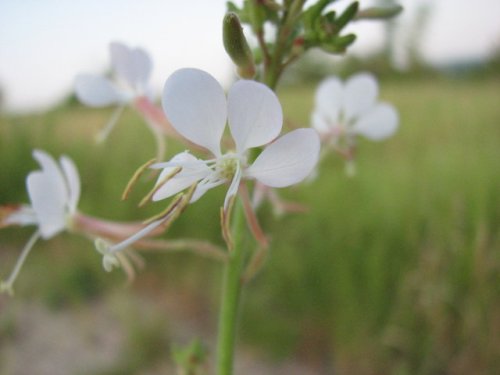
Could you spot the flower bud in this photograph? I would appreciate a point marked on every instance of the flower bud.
(347, 16)
(379, 12)
(236, 46)
(340, 44)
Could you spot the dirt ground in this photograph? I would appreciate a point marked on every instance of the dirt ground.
(94, 338)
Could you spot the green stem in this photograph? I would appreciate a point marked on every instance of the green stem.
(274, 68)
(231, 292)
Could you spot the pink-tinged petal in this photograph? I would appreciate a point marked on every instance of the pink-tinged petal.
(360, 95)
(329, 98)
(73, 182)
(192, 171)
(380, 123)
(195, 104)
(97, 91)
(288, 160)
(133, 65)
(254, 114)
(23, 215)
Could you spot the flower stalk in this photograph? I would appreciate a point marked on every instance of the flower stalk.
(231, 294)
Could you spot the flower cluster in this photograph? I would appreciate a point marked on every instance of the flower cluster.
(198, 109)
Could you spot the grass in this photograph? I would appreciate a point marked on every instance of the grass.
(395, 271)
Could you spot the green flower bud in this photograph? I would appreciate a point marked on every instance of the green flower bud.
(347, 16)
(236, 45)
(339, 44)
(379, 12)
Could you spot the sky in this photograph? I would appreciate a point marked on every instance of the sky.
(44, 44)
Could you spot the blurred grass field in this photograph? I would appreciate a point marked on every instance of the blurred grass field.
(394, 271)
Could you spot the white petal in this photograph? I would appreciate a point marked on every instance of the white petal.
(97, 91)
(360, 95)
(53, 172)
(25, 215)
(48, 194)
(329, 98)
(47, 204)
(254, 114)
(288, 160)
(204, 186)
(320, 123)
(195, 104)
(193, 170)
(233, 188)
(380, 123)
(133, 65)
(73, 182)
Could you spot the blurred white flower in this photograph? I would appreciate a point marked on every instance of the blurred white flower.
(54, 192)
(195, 104)
(345, 110)
(131, 70)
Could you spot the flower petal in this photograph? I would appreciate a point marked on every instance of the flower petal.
(97, 91)
(204, 186)
(380, 123)
(193, 170)
(254, 113)
(73, 182)
(195, 104)
(133, 65)
(360, 94)
(51, 169)
(288, 160)
(48, 195)
(329, 98)
(233, 187)
(320, 123)
(24, 215)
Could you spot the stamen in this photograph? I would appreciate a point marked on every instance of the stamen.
(169, 209)
(7, 286)
(189, 195)
(225, 219)
(159, 185)
(135, 177)
(253, 222)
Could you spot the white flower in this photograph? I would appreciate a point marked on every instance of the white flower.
(131, 69)
(54, 192)
(351, 108)
(195, 104)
